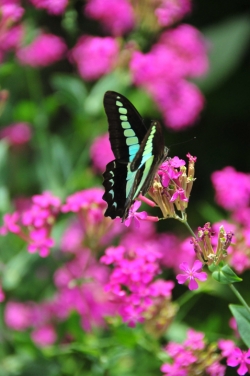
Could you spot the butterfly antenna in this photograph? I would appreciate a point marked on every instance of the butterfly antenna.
(183, 142)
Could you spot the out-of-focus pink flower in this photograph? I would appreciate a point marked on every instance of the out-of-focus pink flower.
(195, 340)
(45, 50)
(101, 153)
(171, 11)
(116, 16)
(72, 238)
(232, 188)
(179, 54)
(16, 134)
(55, 7)
(44, 336)
(191, 274)
(241, 358)
(39, 241)
(10, 12)
(94, 56)
(226, 346)
(2, 295)
(17, 315)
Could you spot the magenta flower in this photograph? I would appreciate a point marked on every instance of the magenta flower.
(171, 11)
(191, 274)
(55, 7)
(44, 336)
(17, 315)
(16, 134)
(135, 217)
(232, 188)
(195, 340)
(45, 50)
(101, 153)
(239, 357)
(179, 194)
(116, 16)
(94, 56)
(40, 241)
(226, 346)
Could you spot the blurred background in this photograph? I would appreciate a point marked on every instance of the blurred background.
(51, 113)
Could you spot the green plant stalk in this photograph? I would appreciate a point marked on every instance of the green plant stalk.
(241, 299)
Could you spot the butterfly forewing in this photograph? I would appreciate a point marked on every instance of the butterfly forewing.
(126, 126)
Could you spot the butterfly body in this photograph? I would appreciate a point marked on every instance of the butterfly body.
(138, 151)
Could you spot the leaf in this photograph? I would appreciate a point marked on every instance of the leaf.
(242, 317)
(226, 275)
(228, 42)
(71, 90)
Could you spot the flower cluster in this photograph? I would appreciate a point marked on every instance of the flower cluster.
(11, 30)
(78, 288)
(52, 7)
(44, 50)
(172, 186)
(101, 153)
(183, 51)
(34, 225)
(133, 282)
(16, 134)
(193, 357)
(171, 11)
(228, 183)
(94, 56)
(116, 17)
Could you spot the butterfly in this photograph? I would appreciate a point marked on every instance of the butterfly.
(138, 153)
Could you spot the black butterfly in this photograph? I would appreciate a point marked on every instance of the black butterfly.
(138, 151)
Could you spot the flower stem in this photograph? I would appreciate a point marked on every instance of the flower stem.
(184, 221)
(236, 292)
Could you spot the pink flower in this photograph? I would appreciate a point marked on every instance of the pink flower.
(216, 369)
(101, 153)
(191, 274)
(39, 241)
(179, 194)
(11, 224)
(16, 134)
(226, 346)
(44, 336)
(183, 51)
(2, 295)
(45, 50)
(170, 11)
(94, 56)
(135, 217)
(195, 340)
(239, 357)
(116, 16)
(173, 370)
(55, 7)
(17, 315)
(232, 188)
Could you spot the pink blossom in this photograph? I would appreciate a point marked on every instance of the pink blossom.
(179, 194)
(116, 16)
(11, 12)
(239, 357)
(173, 370)
(216, 369)
(191, 274)
(94, 56)
(45, 50)
(55, 7)
(135, 217)
(44, 336)
(72, 238)
(183, 51)
(168, 170)
(195, 340)
(226, 346)
(17, 315)
(101, 153)
(10, 224)
(16, 134)
(132, 279)
(40, 241)
(232, 188)
(2, 295)
(169, 12)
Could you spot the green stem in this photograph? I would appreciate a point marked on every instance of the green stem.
(236, 292)
(184, 221)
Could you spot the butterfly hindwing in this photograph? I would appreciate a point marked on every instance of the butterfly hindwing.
(138, 152)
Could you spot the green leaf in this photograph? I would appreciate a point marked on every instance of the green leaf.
(71, 90)
(242, 317)
(226, 275)
(228, 43)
